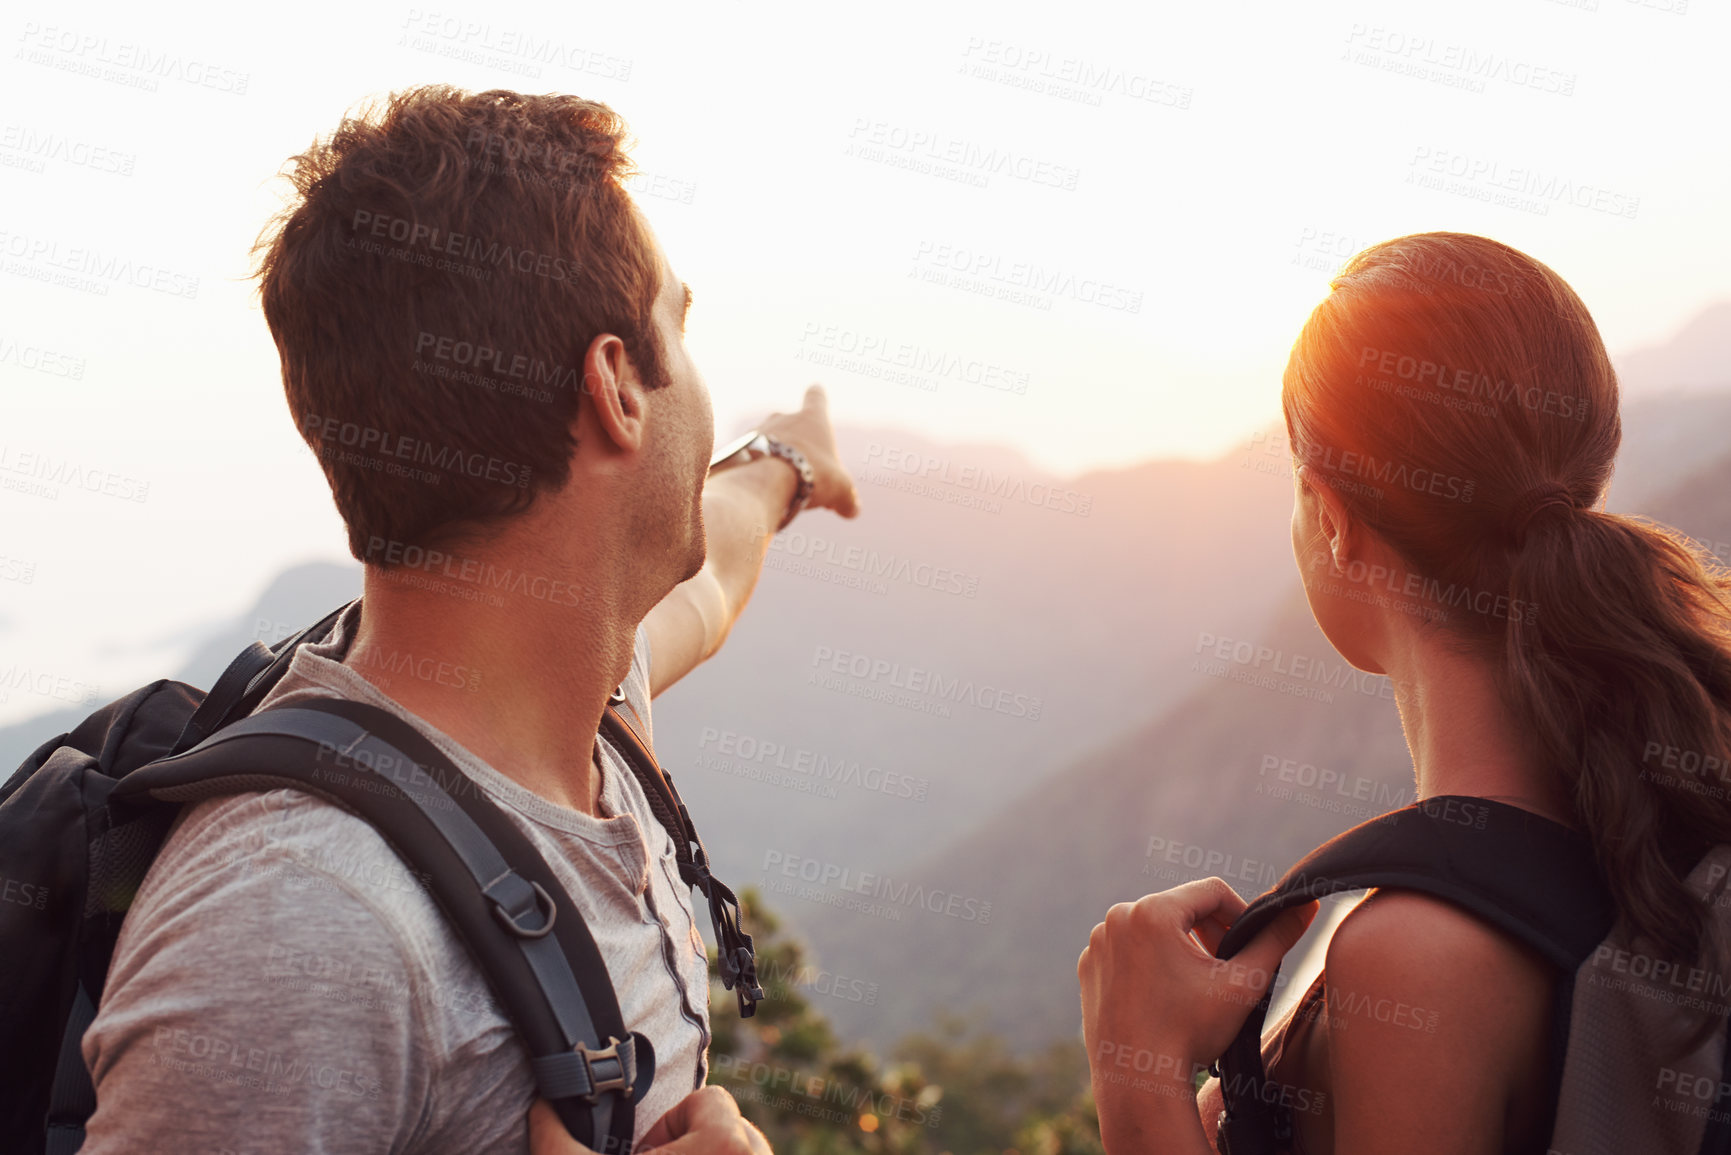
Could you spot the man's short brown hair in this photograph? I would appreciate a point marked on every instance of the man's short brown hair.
(432, 288)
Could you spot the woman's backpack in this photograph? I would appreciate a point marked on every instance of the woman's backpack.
(1630, 1073)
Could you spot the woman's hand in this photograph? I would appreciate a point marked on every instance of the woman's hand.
(1157, 1005)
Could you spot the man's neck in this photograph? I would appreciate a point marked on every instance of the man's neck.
(522, 686)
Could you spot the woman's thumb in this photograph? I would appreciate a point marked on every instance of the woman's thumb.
(1274, 940)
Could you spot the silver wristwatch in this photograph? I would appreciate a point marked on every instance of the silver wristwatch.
(756, 444)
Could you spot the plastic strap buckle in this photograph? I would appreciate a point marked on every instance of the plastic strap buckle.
(581, 1073)
(515, 899)
(745, 974)
(623, 1072)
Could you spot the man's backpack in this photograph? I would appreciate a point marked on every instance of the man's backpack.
(1638, 1065)
(85, 815)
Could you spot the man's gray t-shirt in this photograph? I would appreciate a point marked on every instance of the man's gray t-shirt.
(284, 983)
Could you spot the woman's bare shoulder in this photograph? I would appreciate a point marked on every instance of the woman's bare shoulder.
(1437, 1026)
(1407, 940)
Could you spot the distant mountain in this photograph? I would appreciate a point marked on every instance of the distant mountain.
(997, 588)
(1696, 358)
(1667, 439)
(1676, 399)
(1701, 508)
(295, 598)
(1238, 780)
(872, 721)
(1075, 594)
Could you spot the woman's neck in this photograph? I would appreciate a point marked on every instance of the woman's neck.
(1464, 736)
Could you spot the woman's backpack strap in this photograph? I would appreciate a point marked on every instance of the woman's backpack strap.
(1522, 873)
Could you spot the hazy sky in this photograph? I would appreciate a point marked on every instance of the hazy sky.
(1096, 228)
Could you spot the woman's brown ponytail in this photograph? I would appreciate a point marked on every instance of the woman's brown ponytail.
(1626, 680)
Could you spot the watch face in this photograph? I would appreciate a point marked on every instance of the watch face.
(732, 447)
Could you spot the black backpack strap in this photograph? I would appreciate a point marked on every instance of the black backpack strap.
(230, 687)
(241, 687)
(735, 958)
(72, 1100)
(517, 922)
(1716, 1136)
(1522, 873)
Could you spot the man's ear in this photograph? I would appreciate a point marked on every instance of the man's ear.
(614, 391)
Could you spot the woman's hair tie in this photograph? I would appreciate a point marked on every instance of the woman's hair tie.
(1528, 505)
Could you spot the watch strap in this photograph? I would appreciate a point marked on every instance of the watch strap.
(802, 467)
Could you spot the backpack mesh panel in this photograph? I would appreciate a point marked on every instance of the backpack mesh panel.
(119, 859)
(1632, 1084)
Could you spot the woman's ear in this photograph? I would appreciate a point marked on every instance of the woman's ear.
(614, 392)
(1328, 516)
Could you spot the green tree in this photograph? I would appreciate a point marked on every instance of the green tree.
(954, 1091)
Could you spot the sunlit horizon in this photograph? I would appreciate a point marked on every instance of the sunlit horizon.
(1089, 236)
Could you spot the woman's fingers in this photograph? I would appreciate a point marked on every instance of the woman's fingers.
(1205, 900)
(1202, 910)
